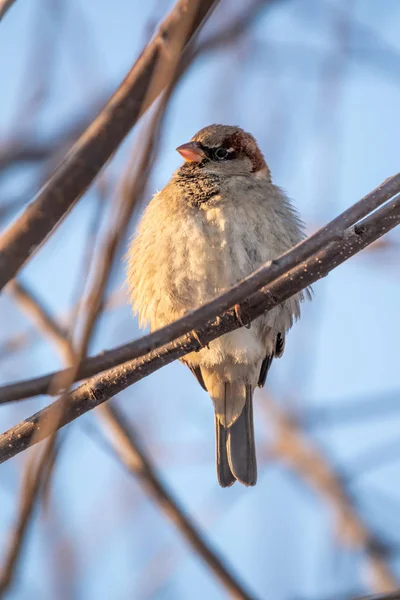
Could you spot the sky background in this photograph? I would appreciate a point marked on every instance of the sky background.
(318, 84)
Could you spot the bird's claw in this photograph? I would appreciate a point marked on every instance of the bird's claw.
(238, 315)
(196, 337)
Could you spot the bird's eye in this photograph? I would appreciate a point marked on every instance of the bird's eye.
(221, 153)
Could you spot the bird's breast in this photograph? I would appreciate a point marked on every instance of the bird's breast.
(219, 246)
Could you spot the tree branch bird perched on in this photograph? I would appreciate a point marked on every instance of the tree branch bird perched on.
(218, 219)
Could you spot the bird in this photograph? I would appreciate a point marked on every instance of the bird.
(218, 219)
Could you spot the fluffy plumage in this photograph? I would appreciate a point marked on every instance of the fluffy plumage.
(218, 219)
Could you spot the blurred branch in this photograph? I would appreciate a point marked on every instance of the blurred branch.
(24, 152)
(391, 596)
(42, 155)
(31, 484)
(349, 410)
(287, 275)
(141, 87)
(22, 340)
(36, 476)
(20, 151)
(373, 48)
(126, 445)
(233, 30)
(4, 6)
(42, 319)
(47, 37)
(269, 286)
(309, 462)
(380, 456)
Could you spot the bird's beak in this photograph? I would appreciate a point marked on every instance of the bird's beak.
(191, 152)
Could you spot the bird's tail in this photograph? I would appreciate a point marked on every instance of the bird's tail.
(236, 453)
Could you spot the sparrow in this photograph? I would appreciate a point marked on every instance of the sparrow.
(217, 220)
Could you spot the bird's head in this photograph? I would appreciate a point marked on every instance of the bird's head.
(223, 150)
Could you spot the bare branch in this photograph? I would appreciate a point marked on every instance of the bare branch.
(30, 488)
(332, 233)
(21, 151)
(126, 445)
(42, 319)
(102, 387)
(145, 81)
(18, 341)
(300, 454)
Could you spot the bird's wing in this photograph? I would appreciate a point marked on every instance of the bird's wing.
(197, 373)
(266, 363)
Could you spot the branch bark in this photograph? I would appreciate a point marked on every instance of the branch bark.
(345, 243)
(203, 318)
(143, 84)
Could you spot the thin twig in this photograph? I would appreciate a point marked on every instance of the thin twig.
(124, 208)
(22, 151)
(126, 445)
(203, 318)
(22, 340)
(30, 488)
(41, 318)
(105, 385)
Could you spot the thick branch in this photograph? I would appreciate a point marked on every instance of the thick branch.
(105, 385)
(141, 87)
(238, 294)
